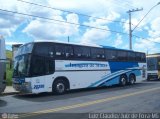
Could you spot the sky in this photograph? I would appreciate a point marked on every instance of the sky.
(108, 24)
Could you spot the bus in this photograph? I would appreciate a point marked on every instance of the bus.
(45, 66)
(2, 65)
(153, 67)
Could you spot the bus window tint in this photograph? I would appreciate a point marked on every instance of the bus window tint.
(78, 51)
(49, 66)
(41, 49)
(151, 63)
(59, 51)
(138, 57)
(122, 55)
(86, 52)
(81, 52)
(51, 51)
(131, 56)
(38, 66)
(143, 57)
(97, 53)
(68, 51)
(111, 55)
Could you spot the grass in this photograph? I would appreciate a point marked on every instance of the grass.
(9, 69)
(9, 73)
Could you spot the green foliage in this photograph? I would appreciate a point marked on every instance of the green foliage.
(9, 74)
(9, 69)
(9, 54)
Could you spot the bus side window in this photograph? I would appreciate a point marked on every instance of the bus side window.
(41, 49)
(138, 56)
(49, 65)
(97, 53)
(51, 51)
(111, 55)
(122, 56)
(143, 57)
(131, 56)
(78, 51)
(86, 52)
(38, 66)
(59, 51)
(68, 51)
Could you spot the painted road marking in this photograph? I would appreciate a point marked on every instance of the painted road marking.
(87, 103)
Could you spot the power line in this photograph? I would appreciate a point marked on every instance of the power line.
(70, 12)
(72, 24)
(14, 12)
(146, 39)
(145, 15)
(116, 21)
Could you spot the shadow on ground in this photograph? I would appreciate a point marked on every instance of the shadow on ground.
(45, 97)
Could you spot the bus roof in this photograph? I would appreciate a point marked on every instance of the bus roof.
(82, 44)
(153, 55)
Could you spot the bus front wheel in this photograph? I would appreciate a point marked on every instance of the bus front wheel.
(123, 80)
(59, 87)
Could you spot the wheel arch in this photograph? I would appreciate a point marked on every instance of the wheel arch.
(64, 79)
(132, 74)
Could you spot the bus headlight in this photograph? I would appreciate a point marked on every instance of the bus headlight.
(26, 84)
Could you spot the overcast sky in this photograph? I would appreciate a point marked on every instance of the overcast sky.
(22, 29)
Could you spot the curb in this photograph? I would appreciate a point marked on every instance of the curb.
(9, 93)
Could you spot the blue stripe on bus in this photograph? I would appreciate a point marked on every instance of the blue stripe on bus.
(116, 66)
(114, 79)
(127, 67)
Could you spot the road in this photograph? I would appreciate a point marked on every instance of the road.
(139, 98)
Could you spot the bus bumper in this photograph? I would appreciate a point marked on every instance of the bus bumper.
(24, 87)
(152, 77)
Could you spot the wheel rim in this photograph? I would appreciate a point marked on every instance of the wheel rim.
(123, 81)
(132, 80)
(60, 87)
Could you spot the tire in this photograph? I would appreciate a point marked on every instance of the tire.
(148, 78)
(59, 87)
(132, 79)
(123, 80)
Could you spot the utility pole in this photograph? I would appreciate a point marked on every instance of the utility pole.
(130, 27)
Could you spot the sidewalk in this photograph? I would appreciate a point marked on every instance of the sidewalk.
(9, 91)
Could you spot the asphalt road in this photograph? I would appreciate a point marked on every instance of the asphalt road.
(142, 97)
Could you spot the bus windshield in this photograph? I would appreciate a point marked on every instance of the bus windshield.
(27, 48)
(21, 66)
(152, 63)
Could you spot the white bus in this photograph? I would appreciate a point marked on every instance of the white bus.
(2, 65)
(153, 67)
(58, 67)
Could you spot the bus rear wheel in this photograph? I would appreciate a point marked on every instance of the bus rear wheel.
(132, 79)
(123, 80)
(59, 87)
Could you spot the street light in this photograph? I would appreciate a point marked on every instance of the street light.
(139, 23)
